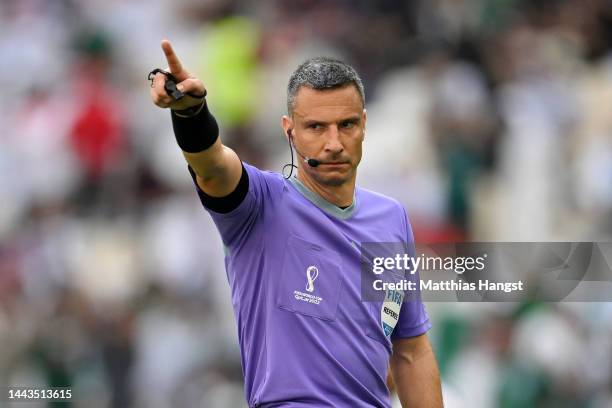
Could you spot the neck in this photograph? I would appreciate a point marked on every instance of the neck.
(341, 196)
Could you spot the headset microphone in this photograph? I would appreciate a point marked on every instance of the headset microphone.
(312, 162)
(307, 160)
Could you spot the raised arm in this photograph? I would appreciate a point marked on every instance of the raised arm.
(217, 167)
(415, 373)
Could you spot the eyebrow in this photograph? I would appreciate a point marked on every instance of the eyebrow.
(351, 119)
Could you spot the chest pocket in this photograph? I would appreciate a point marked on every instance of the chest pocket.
(310, 280)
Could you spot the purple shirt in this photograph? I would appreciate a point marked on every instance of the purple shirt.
(293, 264)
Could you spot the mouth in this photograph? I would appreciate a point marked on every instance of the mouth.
(334, 164)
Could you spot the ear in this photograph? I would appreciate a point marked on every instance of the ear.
(287, 124)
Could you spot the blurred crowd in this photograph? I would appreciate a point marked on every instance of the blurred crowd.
(490, 120)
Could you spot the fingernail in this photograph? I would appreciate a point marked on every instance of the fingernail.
(180, 87)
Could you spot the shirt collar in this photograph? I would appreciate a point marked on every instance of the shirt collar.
(322, 203)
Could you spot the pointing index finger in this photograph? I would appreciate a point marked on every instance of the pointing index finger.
(174, 64)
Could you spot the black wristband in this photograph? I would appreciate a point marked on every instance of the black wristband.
(196, 133)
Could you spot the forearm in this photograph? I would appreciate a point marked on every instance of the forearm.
(197, 132)
(416, 376)
(217, 167)
(207, 163)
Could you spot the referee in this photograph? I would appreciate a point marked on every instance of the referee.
(293, 263)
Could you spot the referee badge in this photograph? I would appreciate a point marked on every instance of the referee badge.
(390, 309)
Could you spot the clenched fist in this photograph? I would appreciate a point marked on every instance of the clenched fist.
(191, 86)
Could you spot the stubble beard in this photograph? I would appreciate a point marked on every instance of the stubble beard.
(334, 180)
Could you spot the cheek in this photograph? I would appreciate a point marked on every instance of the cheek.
(357, 141)
(356, 148)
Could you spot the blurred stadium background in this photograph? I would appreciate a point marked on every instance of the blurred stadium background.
(490, 120)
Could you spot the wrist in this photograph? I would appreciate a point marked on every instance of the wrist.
(196, 132)
(191, 111)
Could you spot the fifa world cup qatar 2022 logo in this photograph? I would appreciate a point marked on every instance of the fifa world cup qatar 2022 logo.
(311, 274)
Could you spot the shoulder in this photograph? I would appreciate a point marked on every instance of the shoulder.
(267, 174)
(380, 206)
(264, 179)
(380, 201)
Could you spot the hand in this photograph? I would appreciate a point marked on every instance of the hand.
(186, 83)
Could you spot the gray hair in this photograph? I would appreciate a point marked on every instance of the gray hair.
(322, 73)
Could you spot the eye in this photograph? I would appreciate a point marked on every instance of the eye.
(315, 126)
(347, 124)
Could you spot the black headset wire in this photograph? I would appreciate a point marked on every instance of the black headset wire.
(291, 166)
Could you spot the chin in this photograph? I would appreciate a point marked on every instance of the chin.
(334, 179)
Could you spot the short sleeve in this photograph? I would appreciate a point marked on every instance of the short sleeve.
(236, 226)
(413, 318)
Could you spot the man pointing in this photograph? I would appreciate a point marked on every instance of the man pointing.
(293, 262)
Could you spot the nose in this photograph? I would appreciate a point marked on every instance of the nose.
(333, 144)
